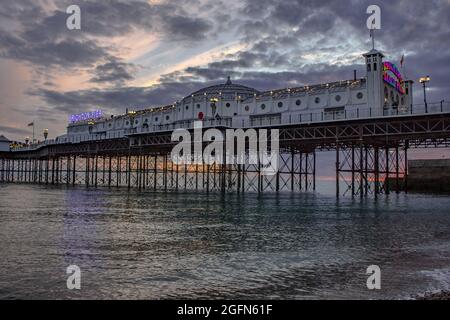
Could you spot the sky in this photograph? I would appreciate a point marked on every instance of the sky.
(136, 54)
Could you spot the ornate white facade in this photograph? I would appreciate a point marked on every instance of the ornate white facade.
(239, 106)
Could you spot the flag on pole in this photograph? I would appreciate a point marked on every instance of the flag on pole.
(31, 124)
(402, 60)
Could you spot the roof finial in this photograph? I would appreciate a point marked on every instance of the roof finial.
(372, 36)
(228, 80)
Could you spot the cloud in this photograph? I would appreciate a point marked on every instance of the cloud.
(64, 54)
(13, 131)
(116, 99)
(114, 72)
(187, 28)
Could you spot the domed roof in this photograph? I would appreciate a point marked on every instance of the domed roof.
(226, 88)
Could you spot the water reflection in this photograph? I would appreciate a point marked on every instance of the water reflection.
(132, 244)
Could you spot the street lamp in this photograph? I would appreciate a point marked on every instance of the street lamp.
(27, 139)
(45, 134)
(424, 81)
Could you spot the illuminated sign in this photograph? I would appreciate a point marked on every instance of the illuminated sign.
(393, 77)
(85, 116)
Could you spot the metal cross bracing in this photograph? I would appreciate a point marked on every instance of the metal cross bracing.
(367, 169)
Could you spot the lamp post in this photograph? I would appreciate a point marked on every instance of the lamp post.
(424, 81)
(45, 134)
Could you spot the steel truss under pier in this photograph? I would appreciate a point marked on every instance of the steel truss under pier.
(371, 169)
(159, 172)
(371, 159)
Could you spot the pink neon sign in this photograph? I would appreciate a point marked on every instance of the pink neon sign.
(393, 77)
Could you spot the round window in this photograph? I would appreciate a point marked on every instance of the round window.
(263, 106)
(280, 104)
(228, 105)
(187, 107)
(127, 123)
(136, 122)
(247, 108)
(167, 117)
(146, 120)
(109, 125)
(337, 98)
(198, 106)
(317, 100)
(298, 102)
(360, 95)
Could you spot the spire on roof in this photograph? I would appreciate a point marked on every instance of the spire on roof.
(228, 81)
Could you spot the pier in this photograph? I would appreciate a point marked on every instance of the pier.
(369, 153)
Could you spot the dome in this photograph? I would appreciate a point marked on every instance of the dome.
(228, 88)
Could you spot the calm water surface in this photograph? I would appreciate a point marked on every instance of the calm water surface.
(146, 245)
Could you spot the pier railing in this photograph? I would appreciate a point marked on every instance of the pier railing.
(288, 119)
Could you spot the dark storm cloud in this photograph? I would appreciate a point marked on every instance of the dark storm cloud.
(116, 99)
(114, 72)
(187, 28)
(42, 38)
(13, 131)
(62, 53)
(278, 31)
